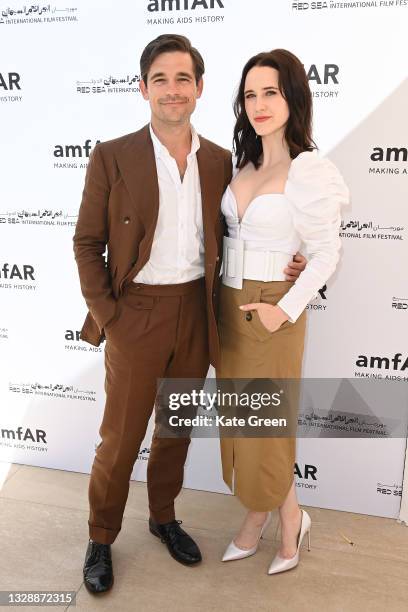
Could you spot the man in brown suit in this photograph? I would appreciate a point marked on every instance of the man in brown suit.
(152, 198)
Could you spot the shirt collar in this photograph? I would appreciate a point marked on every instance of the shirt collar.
(160, 148)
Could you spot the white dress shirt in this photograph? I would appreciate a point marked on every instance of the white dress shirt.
(307, 212)
(177, 254)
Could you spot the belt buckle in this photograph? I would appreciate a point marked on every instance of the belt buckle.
(233, 261)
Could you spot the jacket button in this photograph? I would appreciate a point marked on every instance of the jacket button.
(126, 220)
(248, 316)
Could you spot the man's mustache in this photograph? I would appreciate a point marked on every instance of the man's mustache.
(174, 99)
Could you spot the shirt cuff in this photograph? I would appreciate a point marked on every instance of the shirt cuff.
(290, 307)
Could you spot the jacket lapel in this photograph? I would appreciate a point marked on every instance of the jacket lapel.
(137, 166)
(211, 172)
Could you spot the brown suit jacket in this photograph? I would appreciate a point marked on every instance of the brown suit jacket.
(119, 210)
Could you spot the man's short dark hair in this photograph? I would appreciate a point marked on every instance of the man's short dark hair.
(167, 43)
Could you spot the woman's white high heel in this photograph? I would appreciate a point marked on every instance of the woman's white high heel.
(234, 553)
(279, 564)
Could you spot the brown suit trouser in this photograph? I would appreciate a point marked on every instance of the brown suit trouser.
(160, 332)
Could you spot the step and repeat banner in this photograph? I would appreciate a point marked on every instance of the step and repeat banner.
(69, 78)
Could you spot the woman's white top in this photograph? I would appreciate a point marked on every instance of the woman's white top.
(308, 212)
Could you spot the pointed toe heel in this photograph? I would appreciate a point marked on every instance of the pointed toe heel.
(279, 564)
(233, 552)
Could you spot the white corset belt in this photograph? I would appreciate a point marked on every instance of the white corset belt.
(239, 263)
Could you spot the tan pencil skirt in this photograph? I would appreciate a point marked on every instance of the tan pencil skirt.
(259, 471)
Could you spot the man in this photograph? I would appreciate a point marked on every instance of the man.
(152, 198)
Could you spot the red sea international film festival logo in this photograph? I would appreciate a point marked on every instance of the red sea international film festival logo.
(331, 5)
(38, 13)
(169, 12)
(53, 390)
(400, 304)
(118, 84)
(49, 217)
(370, 229)
(394, 490)
(10, 87)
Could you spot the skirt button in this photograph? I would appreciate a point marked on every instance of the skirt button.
(248, 316)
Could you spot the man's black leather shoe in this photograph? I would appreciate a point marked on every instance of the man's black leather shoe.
(98, 574)
(181, 546)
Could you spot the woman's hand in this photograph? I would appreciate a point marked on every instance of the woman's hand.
(295, 267)
(271, 316)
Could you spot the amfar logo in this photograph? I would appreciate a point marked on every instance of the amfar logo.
(74, 150)
(13, 271)
(182, 5)
(390, 154)
(9, 81)
(74, 338)
(322, 296)
(327, 74)
(72, 335)
(380, 363)
(322, 292)
(144, 454)
(308, 472)
(323, 80)
(26, 434)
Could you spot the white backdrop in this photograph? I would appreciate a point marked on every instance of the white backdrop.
(70, 77)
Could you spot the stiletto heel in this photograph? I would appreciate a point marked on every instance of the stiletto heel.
(233, 553)
(279, 564)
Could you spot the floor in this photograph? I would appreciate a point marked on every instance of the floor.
(43, 530)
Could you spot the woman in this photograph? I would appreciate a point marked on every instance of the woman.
(282, 195)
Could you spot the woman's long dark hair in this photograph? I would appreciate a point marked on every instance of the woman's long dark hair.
(294, 87)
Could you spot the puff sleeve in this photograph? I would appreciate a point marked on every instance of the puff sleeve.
(315, 191)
